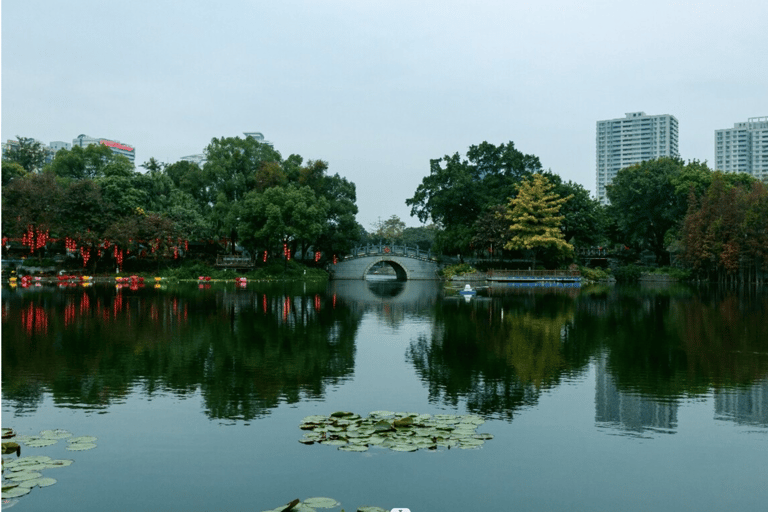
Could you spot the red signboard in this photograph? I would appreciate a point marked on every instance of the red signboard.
(117, 145)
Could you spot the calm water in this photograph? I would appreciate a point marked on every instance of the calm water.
(603, 398)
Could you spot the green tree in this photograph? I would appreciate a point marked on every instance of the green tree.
(12, 171)
(389, 231)
(491, 231)
(536, 221)
(281, 214)
(584, 218)
(458, 191)
(30, 204)
(649, 200)
(190, 178)
(422, 237)
(341, 229)
(93, 161)
(29, 153)
(231, 171)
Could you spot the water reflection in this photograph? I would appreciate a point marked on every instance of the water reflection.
(743, 405)
(497, 355)
(246, 351)
(630, 411)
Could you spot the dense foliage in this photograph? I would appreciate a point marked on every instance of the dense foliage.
(100, 209)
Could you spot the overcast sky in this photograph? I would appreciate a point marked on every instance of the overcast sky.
(375, 88)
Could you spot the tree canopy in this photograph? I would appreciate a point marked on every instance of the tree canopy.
(246, 192)
(535, 220)
(458, 191)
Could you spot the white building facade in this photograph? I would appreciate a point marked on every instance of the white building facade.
(743, 148)
(629, 140)
(116, 146)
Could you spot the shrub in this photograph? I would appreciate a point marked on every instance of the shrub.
(628, 274)
(457, 270)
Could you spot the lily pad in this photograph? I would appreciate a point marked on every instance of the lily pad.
(55, 434)
(371, 509)
(40, 442)
(41, 482)
(334, 442)
(382, 414)
(321, 502)
(15, 492)
(77, 447)
(404, 448)
(83, 439)
(60, 463)
(354, 448)
(24, 475)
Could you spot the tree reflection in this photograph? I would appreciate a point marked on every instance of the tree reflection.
(497, 355)
(246, 351)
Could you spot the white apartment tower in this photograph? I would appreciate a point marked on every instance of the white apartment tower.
(630, 140)
(743, 148)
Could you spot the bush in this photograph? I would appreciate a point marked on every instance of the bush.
(628, 274)
(457, 270)
(595, 274)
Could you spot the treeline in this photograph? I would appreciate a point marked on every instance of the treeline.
(495, 202)
(498, 200)
(96, 203)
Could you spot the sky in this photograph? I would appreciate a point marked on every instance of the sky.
(378, 89)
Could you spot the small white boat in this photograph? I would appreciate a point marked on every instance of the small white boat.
(468, 290)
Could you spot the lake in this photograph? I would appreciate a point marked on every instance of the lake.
(598, 398)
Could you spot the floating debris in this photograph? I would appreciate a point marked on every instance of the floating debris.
(398, 431)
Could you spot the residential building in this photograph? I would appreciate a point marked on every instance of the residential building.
(635, 138)
(50, 150)
(116, 146)
(743, 148)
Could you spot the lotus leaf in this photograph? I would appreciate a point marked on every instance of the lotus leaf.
(321, 502)
(334, 442)
(39, 443)
(382, 414)
(83, 439)
(371, 509)
(354, 448)
(42, 482)
(404, 448)
(76, 447)
(382, 426)
(55, 434)
(58, 463)
(317, 418)
(15, 492)
(11, 447)
(24, 475)
(404, 422)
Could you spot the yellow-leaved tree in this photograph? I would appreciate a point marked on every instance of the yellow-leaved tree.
(535, 219)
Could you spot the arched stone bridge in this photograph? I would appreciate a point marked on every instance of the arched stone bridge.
(408, 263)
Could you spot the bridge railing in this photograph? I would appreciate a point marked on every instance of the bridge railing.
(389, 250)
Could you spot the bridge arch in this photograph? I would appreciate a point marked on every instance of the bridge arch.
(409, 264)
(401, 272)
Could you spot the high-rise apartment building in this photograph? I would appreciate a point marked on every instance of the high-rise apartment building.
(743, 148)
(630, 140)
